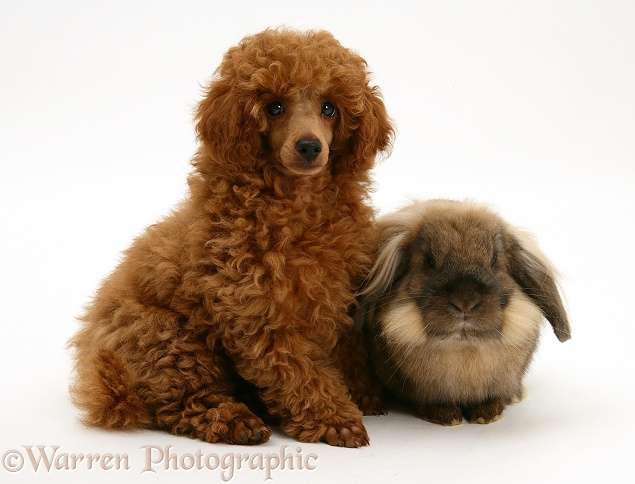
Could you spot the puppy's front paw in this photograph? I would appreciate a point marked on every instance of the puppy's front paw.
(347, 435)
(248, 431)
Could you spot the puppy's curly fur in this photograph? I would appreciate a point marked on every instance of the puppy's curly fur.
(241, 296)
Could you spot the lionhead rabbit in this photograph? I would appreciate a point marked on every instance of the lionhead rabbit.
(453, 307)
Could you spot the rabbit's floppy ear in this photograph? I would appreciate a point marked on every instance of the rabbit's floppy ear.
(537, 277)
(390, 265)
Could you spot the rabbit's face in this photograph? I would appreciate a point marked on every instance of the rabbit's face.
(448, 271)
(457, 277)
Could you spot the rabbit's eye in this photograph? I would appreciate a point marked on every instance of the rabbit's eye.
(429, 261)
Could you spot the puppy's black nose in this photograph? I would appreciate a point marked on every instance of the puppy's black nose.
(309, 149)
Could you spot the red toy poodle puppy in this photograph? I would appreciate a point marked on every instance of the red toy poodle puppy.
(236, 306)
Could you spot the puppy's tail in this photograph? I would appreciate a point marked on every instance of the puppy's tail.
(103, 390)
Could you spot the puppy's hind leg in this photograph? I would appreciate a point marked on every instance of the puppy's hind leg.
(214, 418)
(194, 393)
(152, 368)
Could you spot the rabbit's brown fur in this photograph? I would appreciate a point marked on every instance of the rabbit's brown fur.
(453, 309)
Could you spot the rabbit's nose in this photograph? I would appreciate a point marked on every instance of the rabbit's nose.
(466, 308)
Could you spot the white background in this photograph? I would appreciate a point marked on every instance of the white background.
(527, 106)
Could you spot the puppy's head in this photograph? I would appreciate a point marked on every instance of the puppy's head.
(296, 100)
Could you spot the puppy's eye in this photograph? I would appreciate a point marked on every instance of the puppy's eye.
(328, 109)
(275, 108)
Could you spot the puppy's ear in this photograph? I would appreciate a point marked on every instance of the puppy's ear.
(390, 266)
(373, 134)
(226, 124)
(535, 274)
